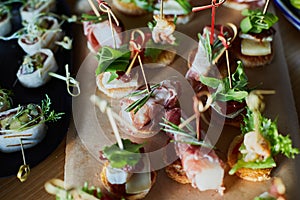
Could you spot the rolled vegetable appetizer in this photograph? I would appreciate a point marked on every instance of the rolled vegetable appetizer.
(25, 122)
(41, 34)
(5, 16)
(34, 7)
(35, 68)
(5, 101)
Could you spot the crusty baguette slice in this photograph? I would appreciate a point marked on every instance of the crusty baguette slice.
(115, 92)
(118, 190)
(252, 61)
(166, 57)
(245, 173)
(176, 172)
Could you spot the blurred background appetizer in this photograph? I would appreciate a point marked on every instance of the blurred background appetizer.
(5, 99)
(26, 122)
(133, 7)
(32, 8)
(244, 4)
(179, 11)
(5, 16)
(35, 68)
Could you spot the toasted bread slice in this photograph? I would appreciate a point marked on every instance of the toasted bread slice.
(252, 61)
(128, 8)
(176, 172)
(245, 173)
(119, 190)
(114, 92)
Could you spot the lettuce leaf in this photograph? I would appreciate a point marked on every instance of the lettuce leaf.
(268, 128)
(119, 158)
(268, 163)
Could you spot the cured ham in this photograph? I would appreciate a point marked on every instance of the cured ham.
(163, 101)
(163, 31)
(202, 166)
(99, 35)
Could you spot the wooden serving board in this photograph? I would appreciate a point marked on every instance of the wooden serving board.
(85, 139)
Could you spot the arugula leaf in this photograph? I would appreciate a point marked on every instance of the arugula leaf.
(255, 21)
(268, 163)
(112, 60)
(223, 91)
(119, 158)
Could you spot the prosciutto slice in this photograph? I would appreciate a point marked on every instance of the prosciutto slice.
(99, 35)
(202, 166)
(164, 102)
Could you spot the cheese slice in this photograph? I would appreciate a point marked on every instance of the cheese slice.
(140, 182)
(252, 48)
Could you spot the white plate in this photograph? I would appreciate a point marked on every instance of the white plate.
(289, 12)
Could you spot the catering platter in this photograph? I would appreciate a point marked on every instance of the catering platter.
(84, 145)
(11, 56)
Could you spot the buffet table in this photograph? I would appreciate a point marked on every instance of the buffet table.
(53, 166)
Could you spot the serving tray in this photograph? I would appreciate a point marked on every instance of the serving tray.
(82, 163)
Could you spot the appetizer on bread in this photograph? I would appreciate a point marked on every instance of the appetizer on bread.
(5, 16)
(251, 154)
(254, 46)
(160, 49)
(175, 10)
(26, 122)
(244, 4)
(32, 8)
(5, 99)
(145, 110)
(198, 164)
(35, 68)
(127, 172)
(209, 59)
(98, 31)
(133, 7)
(111, 78)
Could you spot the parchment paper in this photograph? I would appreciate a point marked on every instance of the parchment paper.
(82, 166)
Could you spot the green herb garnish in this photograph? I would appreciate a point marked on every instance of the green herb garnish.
(186, 6)
(138, 104)
(188, 135)
(5, 100)
(113, 61)
(119, 158)
(93, 18)
(223, 91)
(255, 21)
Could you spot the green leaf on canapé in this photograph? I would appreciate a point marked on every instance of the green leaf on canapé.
(119, 158)
(112, 60)
(255, 21)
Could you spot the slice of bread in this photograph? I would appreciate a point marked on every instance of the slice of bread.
(118, 190)
(245, 173)
(175, 171)
(114, 92)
